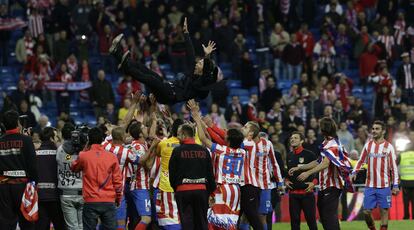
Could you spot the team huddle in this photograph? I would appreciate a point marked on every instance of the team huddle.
(198, 176)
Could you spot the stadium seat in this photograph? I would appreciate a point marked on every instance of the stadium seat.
(239, 92)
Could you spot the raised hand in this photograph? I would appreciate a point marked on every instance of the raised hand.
(193, 106)
(143, 99)
(185, 26)
(136, 97)
(209, 48)
(152, 99)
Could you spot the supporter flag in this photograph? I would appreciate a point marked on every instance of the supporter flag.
(29, 206)
(342, 162)
(11, 23)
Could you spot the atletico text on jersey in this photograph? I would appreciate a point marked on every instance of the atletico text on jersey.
(382, 167)
(142, 175)
(126, 158)
(260, 164)
(228, 164)
(331, 176)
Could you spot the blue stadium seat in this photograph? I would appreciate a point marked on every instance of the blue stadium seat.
(225, 66)
(234, 83)
(239, 92)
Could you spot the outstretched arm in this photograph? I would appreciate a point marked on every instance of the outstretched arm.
(195, 112)
(189, 48)
(131, 111)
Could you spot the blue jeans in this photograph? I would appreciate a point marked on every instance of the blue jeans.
(72, 206)
(294, 71)
(277, 66)
(103, 211)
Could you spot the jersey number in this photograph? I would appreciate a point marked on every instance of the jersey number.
(232, 165)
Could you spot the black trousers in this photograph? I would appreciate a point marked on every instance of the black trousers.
(249, 205)
(305, 203)
(328, 201)
(408, 197)
(106, 212)
(192, 208)
(50, 211)
(10, 214)
(163, 90)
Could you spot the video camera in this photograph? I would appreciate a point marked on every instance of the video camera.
(79, 138)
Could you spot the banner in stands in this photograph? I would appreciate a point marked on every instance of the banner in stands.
(11, 23)
(70, 86)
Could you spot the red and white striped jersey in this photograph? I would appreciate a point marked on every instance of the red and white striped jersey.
(261, 164)
(330, 176)
(382, 166)
(389, 42)
(228, 164)
(155, 172)
(126, 157)
(141, 174)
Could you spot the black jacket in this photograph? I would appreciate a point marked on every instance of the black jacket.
(294, 159)
(47, 166)
(190, 163)
(17, 156)
(102, 93)
(401, 75)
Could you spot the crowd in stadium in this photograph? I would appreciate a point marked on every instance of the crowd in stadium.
(294, 58)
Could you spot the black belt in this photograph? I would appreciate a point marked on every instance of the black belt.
(70, 193)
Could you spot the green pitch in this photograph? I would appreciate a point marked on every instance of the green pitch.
(356, 225)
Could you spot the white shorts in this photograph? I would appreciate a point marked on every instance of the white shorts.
(167, 211)
(224, 214)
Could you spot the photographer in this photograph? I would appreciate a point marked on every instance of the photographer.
(69, 183)
(17, 167)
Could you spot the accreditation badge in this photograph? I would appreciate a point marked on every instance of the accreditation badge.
(301, 160)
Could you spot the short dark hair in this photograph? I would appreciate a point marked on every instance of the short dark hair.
(67, 130)
(380, 123)
(11, 119)
(47, 133)
(328, 127)
(235, 138)
(135, 130)
(95, 136)
(174, 127)
(254, 127)
(301, 136)
(187, 130)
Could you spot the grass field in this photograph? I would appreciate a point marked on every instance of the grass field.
(356, 225)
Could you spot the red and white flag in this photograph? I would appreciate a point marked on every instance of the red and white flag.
(29, 206)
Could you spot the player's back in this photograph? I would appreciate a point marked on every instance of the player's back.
(165, 148)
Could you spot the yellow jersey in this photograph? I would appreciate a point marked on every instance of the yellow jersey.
(165, 148)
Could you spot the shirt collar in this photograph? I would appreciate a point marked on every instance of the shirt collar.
(188, 141)
(298, 150)
(13, 131)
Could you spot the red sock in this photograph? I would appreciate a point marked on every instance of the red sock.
(141, 226)
(384, 227)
